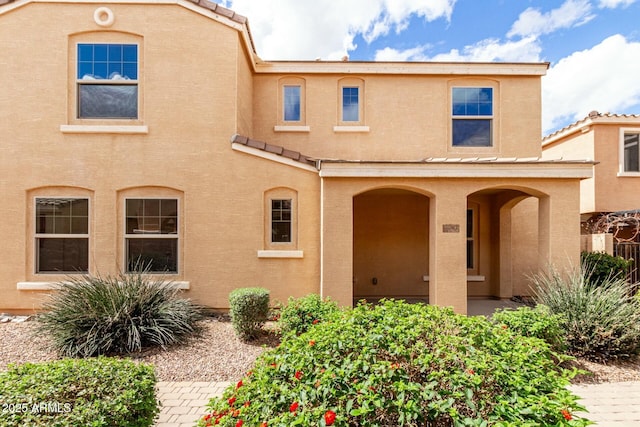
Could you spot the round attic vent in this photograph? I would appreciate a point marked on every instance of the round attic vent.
(103, 16)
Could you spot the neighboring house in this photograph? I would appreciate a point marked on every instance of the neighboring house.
(610, 200)
(152, 130)
(613, 141)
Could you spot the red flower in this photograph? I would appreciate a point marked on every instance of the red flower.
(312, 343)
(566, 414)
(264, 424)
(247, 403)
(207, 417)
(239, 423)
(231, 401)
(470, 371)
(315, 321)
(239, 384)
(298, 375)
(294, 407)
(273, 365)
(329, 417)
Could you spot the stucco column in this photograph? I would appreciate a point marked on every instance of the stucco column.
(559, 227)
(447, 251)
(336, 269)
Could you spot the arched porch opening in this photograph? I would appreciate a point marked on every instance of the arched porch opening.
(391, 244)
(507, 240)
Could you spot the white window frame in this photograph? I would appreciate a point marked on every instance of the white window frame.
(621, 171)
(82, 82)
(490, 118)
(37, 236)
(176, 236)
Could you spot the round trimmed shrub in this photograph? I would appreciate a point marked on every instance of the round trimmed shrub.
(302, 313)
(397, 364)
(96, 315)
(600, 267)
(249, 310)
(100, 392)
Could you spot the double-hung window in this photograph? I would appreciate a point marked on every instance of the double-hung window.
(631, 151)
(62, 235)
(292, 98)
(472, 116)
(107, 81)
(350, 104)
(151, 235)
(281, 221)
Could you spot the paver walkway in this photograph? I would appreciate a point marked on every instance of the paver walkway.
(184, 402)
(609, 404)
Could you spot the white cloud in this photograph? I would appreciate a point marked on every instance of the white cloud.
(603, 78)
(571, 13)
(294, 29)
(488, 50)
(612, 4)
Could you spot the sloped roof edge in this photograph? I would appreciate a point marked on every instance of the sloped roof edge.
(594, 117)
(205, 4)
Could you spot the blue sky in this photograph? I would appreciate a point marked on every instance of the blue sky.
(593, 46)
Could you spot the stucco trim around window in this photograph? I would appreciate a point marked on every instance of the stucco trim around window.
(104, 129)
(50, 286)
(285, 128)
(339, 129)
(280, 254)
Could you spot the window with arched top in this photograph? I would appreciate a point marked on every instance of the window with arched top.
(280, 219)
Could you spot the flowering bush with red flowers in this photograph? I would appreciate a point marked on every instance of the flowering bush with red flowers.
(398, 364)
(302, 313)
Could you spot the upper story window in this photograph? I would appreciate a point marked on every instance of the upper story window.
(107, 80)
(292, 98)
(631, 152)
(472, 116)
(151, 234)
(350, 104)
(62, 235)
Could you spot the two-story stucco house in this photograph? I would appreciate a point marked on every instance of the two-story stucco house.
(610, 200)
(613, 140)
(153, 131)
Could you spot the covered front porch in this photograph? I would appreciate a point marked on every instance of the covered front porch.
(444, 232)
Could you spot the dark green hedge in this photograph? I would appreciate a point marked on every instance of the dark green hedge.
(78, 392)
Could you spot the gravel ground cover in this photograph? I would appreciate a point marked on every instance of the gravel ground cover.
(218, 355)
(214, 355)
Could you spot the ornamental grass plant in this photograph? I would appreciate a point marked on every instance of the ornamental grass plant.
(399, 364)
(106, 315)
(601, 320)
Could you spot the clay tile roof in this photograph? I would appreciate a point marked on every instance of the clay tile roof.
(273, 149)
(216, 8)
(593, 116)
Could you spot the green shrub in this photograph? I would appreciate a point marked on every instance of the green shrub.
(398, 364)
(299, 314)
(249, 309)
(536, 322)
(601, 266)
(78, 392)
(95, 315)
(601, 322)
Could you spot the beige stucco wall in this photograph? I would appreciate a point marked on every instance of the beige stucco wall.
(397, 132)
(198, 87)
(608, 190)
(195, 85)
(613, 191)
